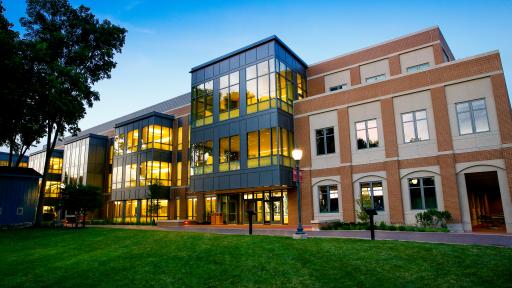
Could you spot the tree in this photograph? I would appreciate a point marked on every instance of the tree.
(72, 50)
(81, 199)
(156, 192)
(20, 118)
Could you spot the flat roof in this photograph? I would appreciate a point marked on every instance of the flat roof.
(141, 117)
(248, 47)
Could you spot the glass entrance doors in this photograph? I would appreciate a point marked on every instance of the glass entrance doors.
(271, 207)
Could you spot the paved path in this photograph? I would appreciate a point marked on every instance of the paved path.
(431, 237)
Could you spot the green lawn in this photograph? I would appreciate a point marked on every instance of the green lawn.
(100, 257)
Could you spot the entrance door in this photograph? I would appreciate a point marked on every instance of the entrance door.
(233, 209)
(484, 199)
(276, 211)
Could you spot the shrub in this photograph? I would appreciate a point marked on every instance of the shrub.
(433, 218)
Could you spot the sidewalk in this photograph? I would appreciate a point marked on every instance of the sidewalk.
(430, 237)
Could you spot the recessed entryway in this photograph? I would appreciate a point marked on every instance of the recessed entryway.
(484, 199)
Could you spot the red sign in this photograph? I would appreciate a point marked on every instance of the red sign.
(295, 175)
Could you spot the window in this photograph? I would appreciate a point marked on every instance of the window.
(419, 67)
(153, 171)
(376, 78)
(366, 133)
(119, 144)
(19, 211)
(285, 87)
(229, 153)
(156, 136)
(261, 86)
(52, 189)
(132, 141)
(423, 193)
(202, 158)
(192, 208)
(202, 104)
(180, 138)
(472, 117)
(372, 195)
(178, 174)
(301, 86)
(130, 175)
(55, 165)
(269, 146)
(211, 206)
(117, 177)
(338, 87)
(325, 141)
(415, 126)
(328, 199)
(178, 208)
(229, 96)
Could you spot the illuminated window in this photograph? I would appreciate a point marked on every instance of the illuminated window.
(178, 177)
(155, 171)
(180, 138)
(202, 104)
(52, 189)
(202, 158)
(178, 208)
(229, 96)
(192, 208)
(301, 86)
(132, 141)
(109, 183)
(210, 207)
(285, 87)
(269, 146)
(156, 136)
(111, 154)
(130, 175)
(229, 153)
(117, 177)
(55, 165)
(261, 86)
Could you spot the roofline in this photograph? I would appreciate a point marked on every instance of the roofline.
(88, 135)
(44, 150)
(141, 117)
(245, 48)
(376, 45)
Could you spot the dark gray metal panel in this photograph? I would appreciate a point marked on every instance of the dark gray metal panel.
(208, 72)
(224, 66)
(234, 62)
(250, 56)
(262, 51)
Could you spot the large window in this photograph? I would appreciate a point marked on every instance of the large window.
(285, 87)
(211, 206)
(415, 126)
(117, 177)
(229, 96)
(423, 193)
(366, 133)
(192, 208)
(202, 158)
(301, 87)
(261, 86)
(130, 175)
(178, 174)
(52, 189)
(269, 146)
(372, 195)
(202, 104)
(55, 165)
(472, 117)
(328, 198)
(156, 136)
(180, 138)
(153, 171)
(229, 153)
(325, 141)
(132, 141)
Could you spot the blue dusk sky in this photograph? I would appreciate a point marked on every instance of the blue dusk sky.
(166, 38)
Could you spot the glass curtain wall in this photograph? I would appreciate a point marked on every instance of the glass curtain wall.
(229, 96)
(229, 153)
(202, 158)
(270, 146)
(202, 104)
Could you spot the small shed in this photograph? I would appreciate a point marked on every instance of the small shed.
(19, 194)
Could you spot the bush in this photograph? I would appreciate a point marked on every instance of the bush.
(381, 226)
(433, 218)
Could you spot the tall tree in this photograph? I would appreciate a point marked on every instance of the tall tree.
(20, 121)
(72, 51)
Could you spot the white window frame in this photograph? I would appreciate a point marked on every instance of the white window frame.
(366, 132)
(414, 121)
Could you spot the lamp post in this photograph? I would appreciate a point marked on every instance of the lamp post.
(299, 234)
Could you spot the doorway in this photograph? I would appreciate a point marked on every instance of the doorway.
(484, 200)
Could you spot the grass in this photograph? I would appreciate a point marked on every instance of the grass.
(101, 257)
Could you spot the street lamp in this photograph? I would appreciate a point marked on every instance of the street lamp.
(299, 234)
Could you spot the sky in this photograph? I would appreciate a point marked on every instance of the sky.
(166, 38)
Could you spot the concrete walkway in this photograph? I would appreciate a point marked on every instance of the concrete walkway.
(430, 237)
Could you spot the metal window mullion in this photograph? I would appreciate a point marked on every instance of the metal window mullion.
(472, 115)
(325, 141)
(415, 125)
(422, 192)
(367, 134)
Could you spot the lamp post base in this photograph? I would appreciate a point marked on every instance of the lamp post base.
(300, 236)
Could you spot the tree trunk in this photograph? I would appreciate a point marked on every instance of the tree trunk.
(50, 145)
(20, 156)
(10, 155)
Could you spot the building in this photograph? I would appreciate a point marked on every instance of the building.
(18, 196)
(4, 160)
(401, 126)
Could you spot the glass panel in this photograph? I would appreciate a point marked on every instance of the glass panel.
(465, 126)
(478, 104)
(462, 107)
(365, 195)
(285, 144)
(251, 92)
(416, 202)
(265, 146)
(409, 135)
(421, 115)
(275, 142)
(224, 81)
(262, 68)
(234, 78)
(252, 145)
(320, 144)
(360, 125)
(430, 197)
(361, 139)
(234, 97)
(481, 122)
(250, 72)
(234, 155)
(373, 137)
(223, 100)
(407, 117)
(378, 196)
(422, 128)
(223, 150)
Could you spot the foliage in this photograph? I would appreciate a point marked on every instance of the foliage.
(433, 218)
(381, 226)
(363, 203)
(155, 192)
(103, 257)
(70, 50)
(81, 199)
